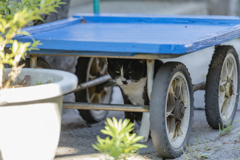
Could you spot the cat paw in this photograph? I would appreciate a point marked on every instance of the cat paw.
(144, 134)
(145, 139)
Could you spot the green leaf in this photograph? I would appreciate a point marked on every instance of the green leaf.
(16, 17)
(2, 54)
(9, 35)
(121, 143)
(42, 4)
(3, 22)
(33, 18)
(24, 33)
(1, 39)
(11, 62)
(15, 46)
(110, 122)
(15, 3)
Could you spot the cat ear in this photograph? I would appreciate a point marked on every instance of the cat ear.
(109, 60)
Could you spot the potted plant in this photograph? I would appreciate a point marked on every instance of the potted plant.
(30, 114)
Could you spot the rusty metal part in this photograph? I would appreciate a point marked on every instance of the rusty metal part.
(199, 86)
(179, 110)
(229, 88)
(110, 107)
(33, 61)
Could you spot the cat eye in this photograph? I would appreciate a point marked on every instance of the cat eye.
(117, 72)
(130, 72)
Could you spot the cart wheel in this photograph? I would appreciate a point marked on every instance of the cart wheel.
(88, 69)
(41, 63)
(171, 109)
(222, 87)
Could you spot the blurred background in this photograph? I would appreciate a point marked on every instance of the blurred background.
(192, 7)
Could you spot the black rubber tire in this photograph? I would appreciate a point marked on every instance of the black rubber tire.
(157, 109)
(41, 63)
(81, 96)
(212, 86)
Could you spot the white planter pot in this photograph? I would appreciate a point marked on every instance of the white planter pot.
(30, 117)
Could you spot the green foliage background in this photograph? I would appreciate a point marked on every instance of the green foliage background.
(13, 17)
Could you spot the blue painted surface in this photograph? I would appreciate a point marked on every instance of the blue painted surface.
(51, 26)
(134, 34)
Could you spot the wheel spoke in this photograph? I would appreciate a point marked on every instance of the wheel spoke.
(224, 73)
(103, 94)
(98, 64)
(171, 123)
(102, 66)
(223, 82)
(103, 70)
(91, 77)
(92, 97)
(95, 99)
(94, 67)
(174, 85)
(170, 102)
(224, 109)
(221, 98)
(178, 131)
(230, 70)
(222, 88)
(99, 98)
(178, 88)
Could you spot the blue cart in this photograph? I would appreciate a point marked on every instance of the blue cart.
(95, 37)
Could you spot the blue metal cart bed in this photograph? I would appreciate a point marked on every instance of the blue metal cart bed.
(95, 37)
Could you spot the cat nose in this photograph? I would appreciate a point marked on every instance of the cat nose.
(124, 82)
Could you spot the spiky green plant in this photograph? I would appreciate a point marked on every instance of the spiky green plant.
(121, 144)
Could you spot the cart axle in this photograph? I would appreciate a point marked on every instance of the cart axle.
(105, 78)
(199, 86)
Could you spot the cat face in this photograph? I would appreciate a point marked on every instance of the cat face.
(127, 71)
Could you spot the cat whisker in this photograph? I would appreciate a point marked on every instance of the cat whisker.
(107, 84)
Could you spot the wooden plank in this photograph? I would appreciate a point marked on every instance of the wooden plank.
(109, 107)
(45, 52)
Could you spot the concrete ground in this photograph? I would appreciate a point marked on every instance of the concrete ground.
(77, 139)
(77, 136)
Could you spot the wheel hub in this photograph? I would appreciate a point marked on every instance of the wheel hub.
(229, 88)
(179, 110)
